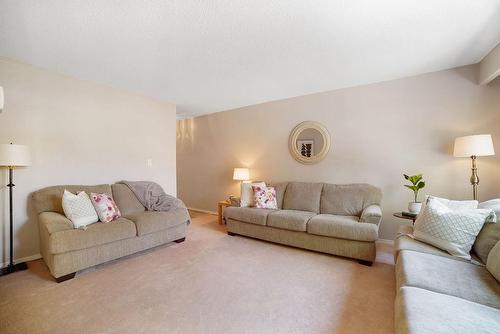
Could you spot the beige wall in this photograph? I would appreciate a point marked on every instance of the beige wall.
(79, 133)
(378, 131)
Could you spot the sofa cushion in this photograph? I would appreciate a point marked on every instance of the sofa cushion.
(153, 221)
(302, 196)
(248, 215)
(421, 311)
(125, 199)
(444, 275)
(293, 220)
(280, 192)
(348, 199)
(50, 199)
(62, 240)
(486, 239)
(493, 264)
(342, 227)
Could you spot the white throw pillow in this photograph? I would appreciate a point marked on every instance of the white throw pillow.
(451, 230)
(493, 204)
(452, 204)
(493, 262)
(247, 198)
(79, 209)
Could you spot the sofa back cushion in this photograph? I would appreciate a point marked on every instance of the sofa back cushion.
(50, 199)
(493, 263)
(302, 196)
(125, 199)
(488, 237)
(348, 199)
(280, 192)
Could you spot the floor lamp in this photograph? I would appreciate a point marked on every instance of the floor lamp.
(473, 147)
(12, 156)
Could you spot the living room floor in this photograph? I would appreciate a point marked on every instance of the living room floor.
(212, 283)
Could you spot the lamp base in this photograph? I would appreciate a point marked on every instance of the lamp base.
(11, 268)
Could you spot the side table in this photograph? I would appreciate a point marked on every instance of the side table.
(220, 210)
(400, 215)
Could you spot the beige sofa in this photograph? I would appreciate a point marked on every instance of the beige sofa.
(336, 219)
(438, 293)
(67, 250)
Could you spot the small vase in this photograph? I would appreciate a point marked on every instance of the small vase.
(414, 207)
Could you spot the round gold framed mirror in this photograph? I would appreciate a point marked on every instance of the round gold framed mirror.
(309, 142)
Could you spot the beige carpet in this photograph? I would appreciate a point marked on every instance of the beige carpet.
(212, 283)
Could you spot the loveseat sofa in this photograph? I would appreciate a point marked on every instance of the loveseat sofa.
(66, 250)
(339, 219)
(439, 293)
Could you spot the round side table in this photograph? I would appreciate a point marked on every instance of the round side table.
(400, 215)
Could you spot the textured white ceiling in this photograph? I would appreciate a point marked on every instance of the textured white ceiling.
(209, 56)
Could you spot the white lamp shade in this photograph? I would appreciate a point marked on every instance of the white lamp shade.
(478, 145)
(241, 174)
(12, 155)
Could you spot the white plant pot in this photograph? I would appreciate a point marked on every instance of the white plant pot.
(414, 207)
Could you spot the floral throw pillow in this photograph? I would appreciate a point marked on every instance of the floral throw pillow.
(106, 207)
(265, 197)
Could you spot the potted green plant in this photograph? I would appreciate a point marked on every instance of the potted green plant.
(416, 184)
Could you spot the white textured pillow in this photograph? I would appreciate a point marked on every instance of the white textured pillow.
(451, 230)
(79, 209)
(247, 198)
(493, 204)
(493, 263)
(452, 204)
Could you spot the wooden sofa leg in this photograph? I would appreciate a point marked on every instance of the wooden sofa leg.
(180, 240)
(65, 277)
(365, 263)
(231, 233)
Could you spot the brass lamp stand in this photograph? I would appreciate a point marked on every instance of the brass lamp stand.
(474, 179)
(474, 146)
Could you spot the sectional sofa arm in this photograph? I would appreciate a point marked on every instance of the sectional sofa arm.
(371, 214)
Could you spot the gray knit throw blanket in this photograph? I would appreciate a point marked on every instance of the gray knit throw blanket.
(153, 197)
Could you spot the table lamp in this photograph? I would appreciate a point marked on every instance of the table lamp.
(241, 174)
(12, 156)
(473, 147)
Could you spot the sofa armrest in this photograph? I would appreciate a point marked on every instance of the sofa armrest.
(54, 222)
(371, 214)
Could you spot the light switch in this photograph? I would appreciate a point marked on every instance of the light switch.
(150, 162)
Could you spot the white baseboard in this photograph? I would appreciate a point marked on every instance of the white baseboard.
(385, 241)
(23, 259)
(204, 211)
